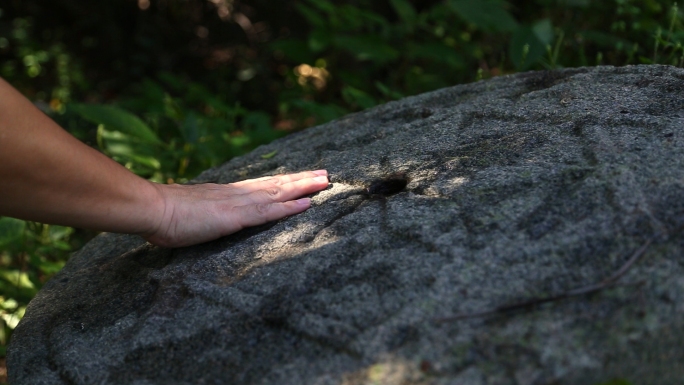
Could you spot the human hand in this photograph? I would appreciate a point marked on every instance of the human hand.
(51, 177)
(191, 214)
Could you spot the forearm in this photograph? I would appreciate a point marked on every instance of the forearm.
(49, 176)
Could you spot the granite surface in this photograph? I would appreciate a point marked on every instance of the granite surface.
(473, 199)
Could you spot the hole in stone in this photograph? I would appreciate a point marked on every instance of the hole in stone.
(388, 186)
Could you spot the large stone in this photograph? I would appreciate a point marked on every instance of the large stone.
(516, 188)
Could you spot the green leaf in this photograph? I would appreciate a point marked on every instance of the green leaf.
(418, 81)
(123, 149)
(57, 233)
(172, 81)
(365, 16)
(436, 52)
(257, 120)
(8, 304)
(116, 119)
(239, 141)
(119, 149)
(322, 112)
(490, 15)
(387, 92)
(147, 161)
(17, 278)
(323, 5)
(319, 39)
(405, 11)
(12, 319)
(47, 267)
(605, 40)
(11, 230)
(367, 48)
(544, 31)
(645, 60)
(313, 17)
(171, 109)
(526, 48)
(190, 128)
(269, 155)
(357, 97)
(22, 295)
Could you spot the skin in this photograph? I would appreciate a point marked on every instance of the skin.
(51, 177)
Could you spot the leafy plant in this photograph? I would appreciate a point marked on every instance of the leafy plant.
(174, 138)
(30, 253)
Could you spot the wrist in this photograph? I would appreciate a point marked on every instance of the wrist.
(153, 208)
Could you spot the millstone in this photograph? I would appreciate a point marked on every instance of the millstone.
(521, 230)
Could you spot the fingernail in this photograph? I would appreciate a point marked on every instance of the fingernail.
(320, 179)
(320, 172)
(304, 201)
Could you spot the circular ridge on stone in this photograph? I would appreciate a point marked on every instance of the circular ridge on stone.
(496, 193)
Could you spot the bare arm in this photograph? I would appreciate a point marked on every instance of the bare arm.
(47, 175)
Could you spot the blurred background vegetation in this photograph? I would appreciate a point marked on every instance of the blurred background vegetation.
(169, 88)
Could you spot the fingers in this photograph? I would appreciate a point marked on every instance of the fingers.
(267, 181)
(200, 213)
(272, 193)
(269, 199)
(258, 214)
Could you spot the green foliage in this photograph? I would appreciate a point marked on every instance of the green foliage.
(29, 61)
(175, 136)
(488, 15)
(11, 231)
(529, 44)
(409, 47)
(30, 253)
(116, 119)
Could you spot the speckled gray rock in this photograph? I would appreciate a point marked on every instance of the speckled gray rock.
(518, 187)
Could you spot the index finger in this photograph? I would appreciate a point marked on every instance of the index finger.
(278, 179)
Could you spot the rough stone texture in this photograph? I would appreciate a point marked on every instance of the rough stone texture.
(518, 187)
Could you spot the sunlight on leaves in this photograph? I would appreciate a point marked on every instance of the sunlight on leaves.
(116, 119)
(17, 278)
